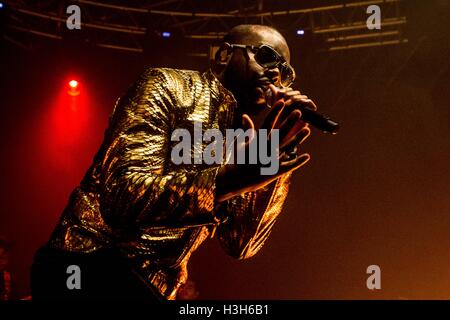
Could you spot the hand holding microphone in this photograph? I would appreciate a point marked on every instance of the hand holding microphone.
(295, 100)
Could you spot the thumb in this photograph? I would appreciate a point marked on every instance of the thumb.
(247, 123)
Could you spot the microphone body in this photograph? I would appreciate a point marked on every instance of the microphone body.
(319, 121)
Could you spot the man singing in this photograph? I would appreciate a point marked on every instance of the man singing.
(132, 224)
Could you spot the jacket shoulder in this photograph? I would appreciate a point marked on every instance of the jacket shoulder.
(170, 74)
(182, 86)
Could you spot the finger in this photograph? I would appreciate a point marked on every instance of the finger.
(312, 104)
(289, 163)
(289, 107)
(296, 128)
(295, 105)
(297, 139)
(302, 101)
(292, 165)
(248, 124)
(288, 123)
(285, 167)
(273, 115)
(287, 91)
(278, 93)
(293, 93)
(286, 128)
(232, 145)
(274, 91)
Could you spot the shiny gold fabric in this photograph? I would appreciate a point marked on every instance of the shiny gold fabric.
(157, 213)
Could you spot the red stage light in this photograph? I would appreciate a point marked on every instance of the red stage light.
(74, 88)
(73, 83)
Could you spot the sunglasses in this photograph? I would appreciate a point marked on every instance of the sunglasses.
(268, 57)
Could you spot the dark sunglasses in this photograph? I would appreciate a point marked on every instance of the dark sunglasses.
(268, 57)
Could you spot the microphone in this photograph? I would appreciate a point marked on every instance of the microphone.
(314, 118)
(321, 122)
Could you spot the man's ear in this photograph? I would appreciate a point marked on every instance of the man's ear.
(222, 57)
(224, 53)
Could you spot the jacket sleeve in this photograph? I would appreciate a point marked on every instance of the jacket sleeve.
(251, 217)
(136, 189)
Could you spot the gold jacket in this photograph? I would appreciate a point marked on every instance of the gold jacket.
(133, 198)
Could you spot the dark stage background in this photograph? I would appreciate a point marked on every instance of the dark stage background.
(377, 193)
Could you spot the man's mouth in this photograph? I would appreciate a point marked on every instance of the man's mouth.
(263, 83)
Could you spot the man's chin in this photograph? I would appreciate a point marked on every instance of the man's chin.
(254, 101)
